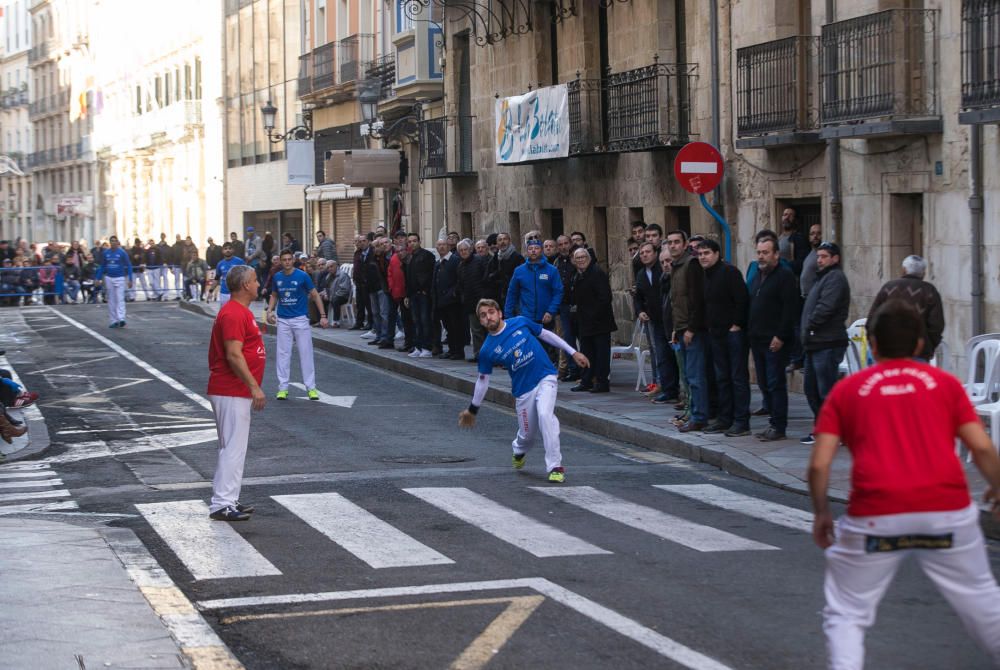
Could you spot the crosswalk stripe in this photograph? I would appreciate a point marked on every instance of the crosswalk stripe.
(24, 467)
(31, 484)
(360, 532)
(669, 527)
(209, 549)
(536, 538)
(29, 495)
(26, 474)
(38, 507)
(782, 515)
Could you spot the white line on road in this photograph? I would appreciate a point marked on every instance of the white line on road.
(782, 515)
(81, 451)
(687, 533)
(166, 379)
(30, 484)
(209, 549)
(119, 429)
(335, 400)
(25, 474)
(38, 507)
(29, 495)
(537, 538)
(77, 363)
(630, 628)
(24, 467)
(360, 532)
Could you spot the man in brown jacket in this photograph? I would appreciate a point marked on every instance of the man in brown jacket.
(912, 289)
(687, 299)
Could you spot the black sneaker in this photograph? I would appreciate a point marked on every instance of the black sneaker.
(771, 435)
(716, 427)
(246, 509)
(738, 431)
(229, 514)
(808, 439)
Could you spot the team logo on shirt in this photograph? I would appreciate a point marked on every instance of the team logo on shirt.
(545, 276)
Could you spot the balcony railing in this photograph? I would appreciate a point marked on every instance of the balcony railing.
(335, 64)
(446, 147)
(38, 52)
(980, 54)
(776, 87)
(383, 69)
(880, 66)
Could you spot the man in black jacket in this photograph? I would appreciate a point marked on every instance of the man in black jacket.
(595, 321)
(824, 332)
(362, 256)
(501, 268)
(568, 371)
(471, 272)
(447, 308)
(213, 254)
(687, 298)
(419, 283)
(647, 304)
(177, 264)
(911, 288)
(377, 278)
(773, 306)
(726, 301)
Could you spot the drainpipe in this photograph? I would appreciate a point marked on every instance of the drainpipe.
(833, 163)
(976, 210)
(716, 123)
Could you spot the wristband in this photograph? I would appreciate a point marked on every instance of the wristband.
(473, 409)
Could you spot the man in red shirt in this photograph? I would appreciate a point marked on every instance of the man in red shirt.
(236, 360)
(899, 419)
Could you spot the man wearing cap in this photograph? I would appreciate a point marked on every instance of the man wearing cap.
(535, 291)
(823, 331)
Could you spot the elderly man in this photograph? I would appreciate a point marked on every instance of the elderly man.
(338, 292)
(447, 308)
(236, 359)
(911, 288)
(595, 321)
(419, 276)
(471, 270)
(501, 268)
(362, 256)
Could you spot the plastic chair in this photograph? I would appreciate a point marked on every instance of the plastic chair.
(981, 389)
(973, 341)
(940, 357)
(634, 350)
(989, 409)
(856, 356)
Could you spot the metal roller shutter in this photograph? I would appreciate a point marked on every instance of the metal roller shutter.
(345, 227)
(367, 213)
(325, 222)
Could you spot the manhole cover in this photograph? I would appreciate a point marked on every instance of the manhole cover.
(425, 460)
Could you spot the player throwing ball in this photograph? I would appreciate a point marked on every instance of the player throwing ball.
(516, 345)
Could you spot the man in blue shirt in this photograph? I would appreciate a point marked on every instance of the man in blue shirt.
(292, 290)
(114, 270)
(516, 345)
(228, 261)
(536, 291)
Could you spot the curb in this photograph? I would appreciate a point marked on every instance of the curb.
(38, 433)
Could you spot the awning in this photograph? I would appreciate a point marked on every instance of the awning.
(333, 192)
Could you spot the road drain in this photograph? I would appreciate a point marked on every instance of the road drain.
(425, 460)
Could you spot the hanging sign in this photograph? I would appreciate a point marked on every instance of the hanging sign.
(533, 126)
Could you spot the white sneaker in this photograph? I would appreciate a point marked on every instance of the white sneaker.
(425, 353)
(371, 334)
(415, 353)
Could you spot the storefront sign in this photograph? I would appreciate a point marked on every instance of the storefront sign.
(533, 126)
(301, 162)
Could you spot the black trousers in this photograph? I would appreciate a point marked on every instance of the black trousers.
(597, 349)
(450, 318)
(362, 310)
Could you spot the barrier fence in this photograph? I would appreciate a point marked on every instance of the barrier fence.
(50, 284)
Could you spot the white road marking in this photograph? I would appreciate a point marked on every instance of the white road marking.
(78, 363)
(209, 549)
(782, 515)
(30, 484)
(687, 533)
(38, 507)
(173, 417)
(82, 451)
(657, 642)
(698, 167)
(335, 400)
(136, 427)
(30, 495)
(25, 474)
(43, 328)
(24, 467)
(537, 538)
(360, 532)
(170, 381)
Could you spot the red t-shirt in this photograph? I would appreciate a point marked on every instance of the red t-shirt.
(234, 322)
(899, 420)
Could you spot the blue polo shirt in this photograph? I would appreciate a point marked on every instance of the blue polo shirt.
(517, 348)
(222, 268)
(293, 293)
(114, 263)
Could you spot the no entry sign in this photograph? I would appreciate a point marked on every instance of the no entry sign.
(698, 167)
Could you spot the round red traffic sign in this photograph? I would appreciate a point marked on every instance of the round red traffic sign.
(698, 167)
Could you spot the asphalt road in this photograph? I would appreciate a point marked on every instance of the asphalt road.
(374, 492)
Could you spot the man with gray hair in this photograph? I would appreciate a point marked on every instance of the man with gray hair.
(912, 289)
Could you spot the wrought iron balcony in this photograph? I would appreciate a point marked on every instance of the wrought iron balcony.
(446, 148)
(383, 68)
(879, 74)
(776, 93)
(585, 101)
(335, 64)
(980, 61)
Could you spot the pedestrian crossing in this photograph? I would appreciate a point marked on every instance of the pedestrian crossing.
(32, 487)
(217, 550)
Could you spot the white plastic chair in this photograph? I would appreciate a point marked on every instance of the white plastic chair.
(988, 408)
(634, 350)
(348, 307)
(856, 356)
(940, 357)
(982, 388)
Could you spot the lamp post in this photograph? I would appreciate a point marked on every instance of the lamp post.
(369, 94)
(300, 132)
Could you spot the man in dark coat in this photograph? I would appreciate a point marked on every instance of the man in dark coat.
(471, 273)
(362, 255)
(213, 254)
(595, 321)
(419, 273)
(447, 308)
(911, 288)
(501, 268)
(647, 303)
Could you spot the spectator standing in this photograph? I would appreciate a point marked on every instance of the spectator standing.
(362, 256)
(773, 306)
(7, 252)
(536, 291)
(338, 292)
(647, 304)
(922, 296)
(792, 245)
(377, 277)
(595, 321)
(909, 495)
(687, 300)
(178, 260)
(568, 371)
(419, 277)
(447, 307)
(808, 276)
(550, 251)
(236, 358)
(501, 268)
(325, 247)
(289, 242)
(653, 234)
(156, 266)
(397, 294)
(213, 254)
(726, 301)
(471, 274)
(823, 329)
(239, 249)
(483, 249)
(229, 260)
(137, 255)
(579, 241)
(71, 276)
(116, 272)
(253, 243)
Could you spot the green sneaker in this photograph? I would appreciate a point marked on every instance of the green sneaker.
(281, 395)
(518, 461)
(557, 476)
(313, 394)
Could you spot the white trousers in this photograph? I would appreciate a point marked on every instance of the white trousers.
(157, 279)
(223, 298)
(857, 580)
(298, 329)
(536, 414)
(232, 421)
(115, 287)
(194, 290)
(141, 280)
(178, 280)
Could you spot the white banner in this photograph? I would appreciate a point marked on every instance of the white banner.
(533, 126)
(301, 162)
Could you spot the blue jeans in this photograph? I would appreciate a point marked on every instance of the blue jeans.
(822, 367)
(384, 319)
(568, 334)
(665, 372)
(694, 371)
(420, 305)
(732, 378)
(770, 367)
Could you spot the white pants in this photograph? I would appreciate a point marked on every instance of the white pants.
(195, 291)
(141, 279)
(223, 298)
(536, 414)
(115, 288)
(157, 280)
(857, 580)
(299, 329)
(232, 421)
(178, 280)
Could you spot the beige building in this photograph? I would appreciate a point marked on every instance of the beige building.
(15, 128)
(852, 118)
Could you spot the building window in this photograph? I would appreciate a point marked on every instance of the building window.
(404, 22)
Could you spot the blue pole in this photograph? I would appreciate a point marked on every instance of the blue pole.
(722, 222)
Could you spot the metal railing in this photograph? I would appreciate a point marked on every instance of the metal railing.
(436, 150)
(305, 74)
(383, 68)
(335, 63)
(881, 65)
(980, 53)
(649, 107)
(38, 52)
(586, 115)
(776, 86)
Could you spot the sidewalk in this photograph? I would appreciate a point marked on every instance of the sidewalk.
(623, 415)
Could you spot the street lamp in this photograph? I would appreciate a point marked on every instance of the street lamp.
(369, 94)
(301, 132)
